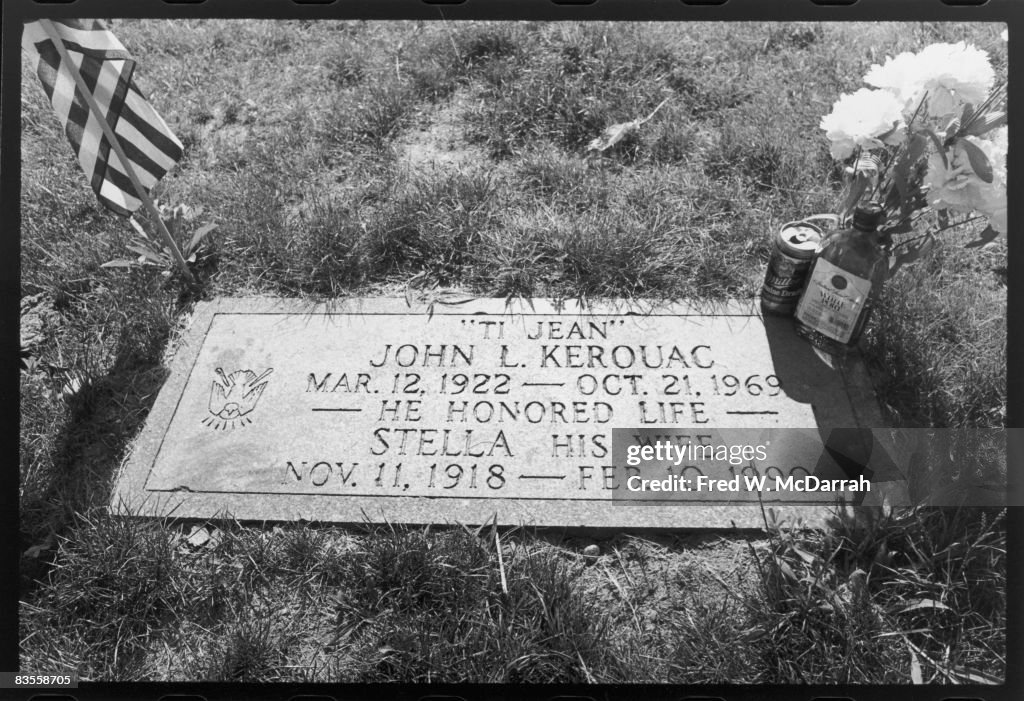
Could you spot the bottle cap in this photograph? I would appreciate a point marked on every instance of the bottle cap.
(868, 216)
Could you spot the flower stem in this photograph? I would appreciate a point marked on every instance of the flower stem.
(938, 231)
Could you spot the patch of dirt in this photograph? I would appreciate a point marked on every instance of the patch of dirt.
(224, 130)
(642, 581)
(38, 320)
(439, 139)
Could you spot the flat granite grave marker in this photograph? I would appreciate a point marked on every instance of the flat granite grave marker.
(370, 410)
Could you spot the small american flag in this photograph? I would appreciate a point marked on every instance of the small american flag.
(106, 69)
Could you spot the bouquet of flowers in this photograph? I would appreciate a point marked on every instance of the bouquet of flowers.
(928, 141)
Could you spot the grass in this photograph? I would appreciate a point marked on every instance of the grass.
(135, 600)
(296, 140)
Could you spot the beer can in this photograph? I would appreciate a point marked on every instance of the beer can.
(792, 252)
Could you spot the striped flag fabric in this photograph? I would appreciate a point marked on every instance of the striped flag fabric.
(106, 68)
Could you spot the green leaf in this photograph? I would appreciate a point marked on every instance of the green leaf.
(200, 234)
(804, 555)
(147, 253)
(786, 570)
(979, 161)
(917, 604)
(976, 676)
(857, 189)
(914, 252)
(987, 236)
(899, 178)
(916, 148)
(938, 145)
(987, 123)
(952, 128)
(138, 227)
(891, 204)
(916, 675)
(886, 135)
(120, 263)
(967, 115)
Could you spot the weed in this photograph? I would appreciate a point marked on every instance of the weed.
(379, 116)
(345, 66)
(110, 586)
(942, 346)
(818, 623)
(487, 42)
(254, 650)
(940, 573)
(433, 609)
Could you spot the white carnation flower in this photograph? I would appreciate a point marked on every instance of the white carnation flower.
(959, 188)
(859, 120)
(900, 75)
(951, 75)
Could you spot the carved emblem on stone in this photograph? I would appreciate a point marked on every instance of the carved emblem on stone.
(233, 397)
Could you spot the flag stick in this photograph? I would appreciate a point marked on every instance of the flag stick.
(108, 131)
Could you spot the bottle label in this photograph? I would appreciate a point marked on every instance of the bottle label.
(833, 301)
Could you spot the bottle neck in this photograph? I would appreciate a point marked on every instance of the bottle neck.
(873, 235)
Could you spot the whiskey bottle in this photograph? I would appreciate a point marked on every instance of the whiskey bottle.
(844, 284)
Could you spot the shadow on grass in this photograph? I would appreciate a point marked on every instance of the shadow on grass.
(102, 418)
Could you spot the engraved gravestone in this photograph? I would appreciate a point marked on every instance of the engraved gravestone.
(371, 409)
